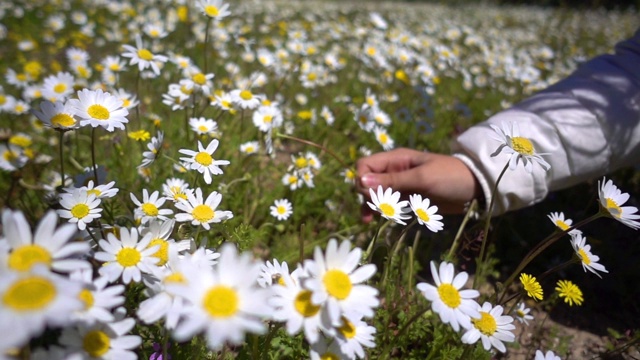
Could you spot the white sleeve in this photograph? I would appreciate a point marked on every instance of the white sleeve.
(588, 124)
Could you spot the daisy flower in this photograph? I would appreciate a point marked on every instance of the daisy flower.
(161, 237)
(100, 191)
(491, 327)
(563, 224)
(143, 56)
(149, 208)
(148, 157)
(31, 301)
(203, 126)
(225, 302)
(175, 189)
(273, 273)
(337, 282)
(48, 246)
(455, 306)
(102, 340)
(354, 335)
(326, 348)
(58, 87)
(245, 99)
(383, 138)
(570, 292)
(99, 108)
(214, 9)
(98, 298)
(588, 260)
(202, 212)
(349, 176)
(12, 157)
(293, 305)
(517, 147)
(522, 313)
(426, 214)
(388, 205)
(79, 207)
(531, 286)
(203, 160)
(611, 201)
(113, 63)
(250, 147)
(549, 355)
(267, 117)
(127, 258)
(281, 209)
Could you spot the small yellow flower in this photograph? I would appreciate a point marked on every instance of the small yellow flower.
(531, 286)
(570, 292)
(140, 135)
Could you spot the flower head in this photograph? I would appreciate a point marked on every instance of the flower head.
(388, 204)
(202, 211)
(611, 201)
(203, 161)
(570, 292)
(583, 251)
(557, 218)
(79, 207)
(426, 214)
(281, 209)
(99, 108)
(491, 327)
(522, 313)
(517, 147)
(57, 115)
(531, 286)
(127, 258)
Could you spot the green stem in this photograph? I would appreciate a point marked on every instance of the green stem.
(456, 240)
(533, 253)
(93, 155)
(393, 253)
(369, 252)
(61, 159)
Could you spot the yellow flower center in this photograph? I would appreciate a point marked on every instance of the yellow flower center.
(226, 104)
(24, 257)
(211, 11)
(87, 298)
(267, 119)
(520, 313)
(29, 294)
(312, 76)
(96, 343)
(387, 209)
(128, 257)
(62, 120)
(10, 155)
(203, 213)
(486, 324)
(613, 208)
(203, 158)
(163, 250)
(154, 33)
(199, 79)
(203, 128)
(348, 330)
(338, 283)
(79, 211)
(221, 301)
(383, 138)
(145, 54)
(329, 356)
(246, 95)
(292, 179)
(303, 304)
(249, 149)
(21, 141)
(149, 209)
(95, 192)
(422, 215)
(281, 209)
(3, 99)
(176, 278)
(301, 162)
(522, 145)
(60, 88)
(449, 295)
(98, 111)
(114, 67)
(185, 90)
(583, 256)
(562, 225)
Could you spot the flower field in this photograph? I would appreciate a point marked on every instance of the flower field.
(177, 180)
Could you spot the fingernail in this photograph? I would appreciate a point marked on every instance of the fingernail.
(369, 180)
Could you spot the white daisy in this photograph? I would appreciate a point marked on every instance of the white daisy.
(99, 108)
(154, 146)
(58, 87)
(203, 160)
(522, 313)
(612, 199)
(214, 9)
(426, 214)
(143, 56)
(517, 147)
(549, 355)
(79, 207)
(588, 260)
(48, 246)
(491, 327)
(57, 115)
(326, 348)
(337, 282)
(388, 205)
(12, 157)
(272, 273)
(383, 138)
(161, 236)
(455, 306)
(175, 189)
(267, 117)
(150, 207)
(557, 218)
(127, 258)
(203, 126)
(354, 335)
(100, 191)
(98, 298)
(102, 340)
(200, 211)
(225, 302)
(250, 147)
(245, 99)
(281, 209)
(31, 301)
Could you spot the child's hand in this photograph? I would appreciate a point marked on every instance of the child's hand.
(444, 179)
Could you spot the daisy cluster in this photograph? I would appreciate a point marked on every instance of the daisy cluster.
(120, 118)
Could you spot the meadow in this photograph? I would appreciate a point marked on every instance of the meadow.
(177, 181)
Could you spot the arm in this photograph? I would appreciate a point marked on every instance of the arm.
(588, 123)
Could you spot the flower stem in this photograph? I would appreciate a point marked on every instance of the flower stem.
(456, 240)
(93, 155)
(394, 252)
(62, 183)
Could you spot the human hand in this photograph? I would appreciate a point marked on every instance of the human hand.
(444, 179)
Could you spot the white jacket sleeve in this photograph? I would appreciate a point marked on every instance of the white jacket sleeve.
(588, 124)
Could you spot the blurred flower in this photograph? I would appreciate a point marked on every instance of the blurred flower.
(522, 313)
(548, 356)
(143, 56)
(57, 115)
(102, 340)
(214, 9)
(98, 298)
